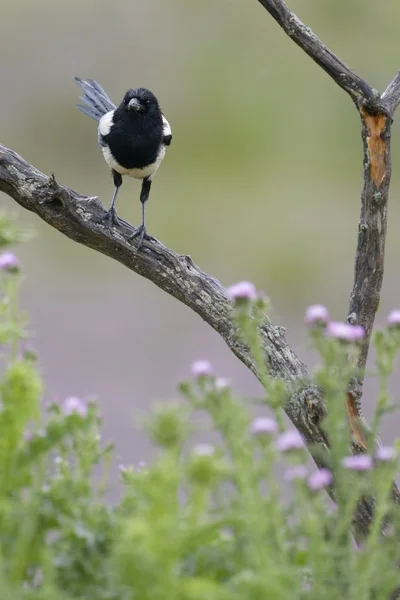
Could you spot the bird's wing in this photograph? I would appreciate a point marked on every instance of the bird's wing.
(167, 133)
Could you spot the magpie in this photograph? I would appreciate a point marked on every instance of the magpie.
(133, 137)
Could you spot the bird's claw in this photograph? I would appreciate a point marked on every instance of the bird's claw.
(141, 233)
(110, 218)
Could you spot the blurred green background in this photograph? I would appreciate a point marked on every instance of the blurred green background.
(262, 180)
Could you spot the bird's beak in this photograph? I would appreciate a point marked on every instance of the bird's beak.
(134, 104)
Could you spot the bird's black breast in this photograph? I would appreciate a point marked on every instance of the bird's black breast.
(134, 140)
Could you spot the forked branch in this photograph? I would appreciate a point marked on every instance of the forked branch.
(376, 117)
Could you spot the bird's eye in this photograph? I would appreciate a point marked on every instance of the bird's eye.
(147, 102)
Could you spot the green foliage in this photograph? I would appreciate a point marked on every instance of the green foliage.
(202, 522)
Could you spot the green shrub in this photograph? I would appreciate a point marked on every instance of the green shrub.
(205, 522)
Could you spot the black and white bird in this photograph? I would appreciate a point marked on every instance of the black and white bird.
(133, 137)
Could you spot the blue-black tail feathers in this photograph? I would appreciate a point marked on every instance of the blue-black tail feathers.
(95, 98)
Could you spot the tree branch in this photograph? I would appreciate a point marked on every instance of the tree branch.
(358, 89)
(391, 96)
(376, 116)
(78, 218)
(370, 253)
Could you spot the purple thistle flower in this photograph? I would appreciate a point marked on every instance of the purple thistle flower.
(393, 319)
(345, 331)
(242, 291)
(359, 462)
(289, 440)
(202, 368)
(320, 479)
(122, 468)
(222, 384)
(263, 425)
(73, 405)
(9, 263)
(296, 472)
(316, 315)
(385, 454)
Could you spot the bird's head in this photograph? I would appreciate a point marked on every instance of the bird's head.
(141, 101)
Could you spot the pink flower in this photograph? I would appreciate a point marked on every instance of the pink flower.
(359, 462)
(242, 291)
(320, 479)
(316, 315)
(202, 368)
(9, 263)
(263, 425)
(73, 405)
(345, 331)
(393, 319)
(289, 440)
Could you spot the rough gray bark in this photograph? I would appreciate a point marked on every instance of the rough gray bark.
(78, 217)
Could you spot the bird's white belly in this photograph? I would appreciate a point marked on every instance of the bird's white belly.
(147, 171)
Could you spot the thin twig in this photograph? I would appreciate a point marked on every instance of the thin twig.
(391, 96)
(359, 90)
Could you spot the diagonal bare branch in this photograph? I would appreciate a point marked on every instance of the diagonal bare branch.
(359, 90)
(391, 96)
(78, 218)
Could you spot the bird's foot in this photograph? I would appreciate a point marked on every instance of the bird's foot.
(110, 218)
(141, 233)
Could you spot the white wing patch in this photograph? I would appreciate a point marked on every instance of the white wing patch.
(106, 123)
(166, 127)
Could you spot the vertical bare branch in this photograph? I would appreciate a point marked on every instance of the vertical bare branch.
(376, 117)
(370, 253)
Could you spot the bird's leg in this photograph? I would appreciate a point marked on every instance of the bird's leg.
(141, 231)
(111, 215)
